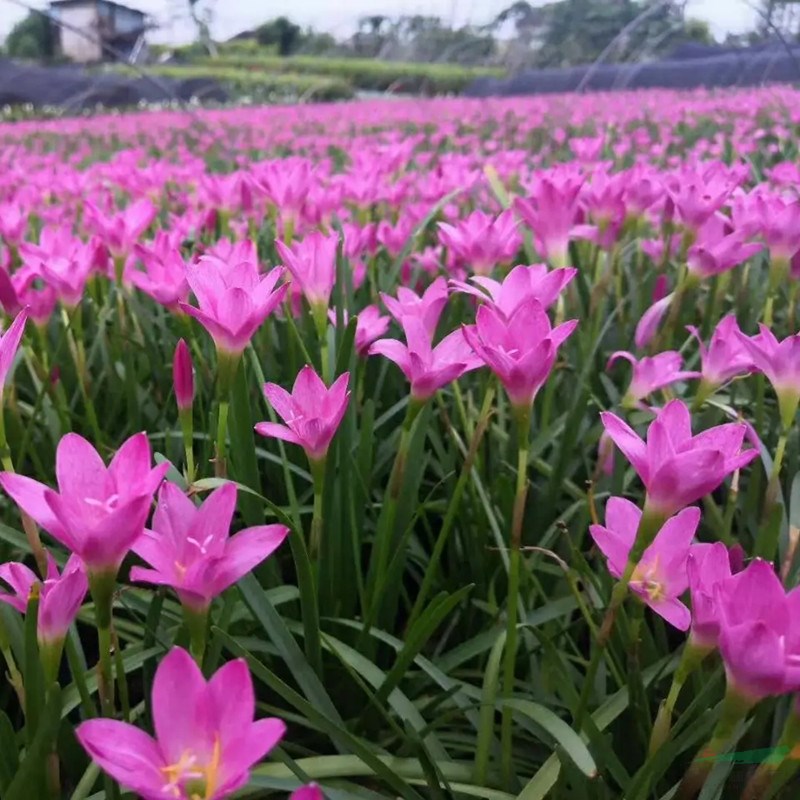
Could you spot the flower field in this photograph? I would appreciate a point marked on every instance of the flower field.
(428, 450)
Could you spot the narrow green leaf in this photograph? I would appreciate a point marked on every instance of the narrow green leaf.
(33, 768)
(243, 459)
(9, 755)
(277, 632)
(33, 673)
(556, 727)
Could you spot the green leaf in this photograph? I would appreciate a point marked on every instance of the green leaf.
(33, 673)
(336, 730)
(9, 755)
(33, 767)
(556, 727)
(418, 636)
(277, 632)
(243, 447)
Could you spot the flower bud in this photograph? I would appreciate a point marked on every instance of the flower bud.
(182, 376)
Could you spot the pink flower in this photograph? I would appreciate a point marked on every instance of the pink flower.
(708, 564)
(310, 792)
(9, 344)
(426, 367)
(482, 241)
(206, 739)
(370, 325)
(189, 548)
(522, 282)
(677, 468)
(780, 362)
(605, 454)
(13, 223)
(647, 326)
(725, 357)
(64, 262)
(164, 274)
(312, 412)
(182, 376)
(233, 301)
(550, 212)
(660, 577)
(714, 256)
(778, 222)
(520, 349)
(60, 598)
(651, 374)
(120, 230)
(759, 636)
(98, 512)
(428, 307)
(312, 263)
(698, 196)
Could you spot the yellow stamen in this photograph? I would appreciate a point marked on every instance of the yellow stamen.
(647, 578)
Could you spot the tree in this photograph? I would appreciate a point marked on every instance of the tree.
(281, 33)
(568, 32)
(202, 15)
(32, 38)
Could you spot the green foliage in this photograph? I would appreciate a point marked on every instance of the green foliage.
(32, 38)
(280, 33)
(266, 87)
(362, 73)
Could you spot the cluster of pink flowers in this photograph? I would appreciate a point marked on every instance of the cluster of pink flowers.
(451, 222)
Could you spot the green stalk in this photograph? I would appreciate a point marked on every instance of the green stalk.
(227, 366)
(759, 784)
(187, 429)
(74, 328)
(523, 419)
(691, 658)
(15, 678)
(220, 468)
(196, 622)
(767, 537)
(649, 525)
(315, 537)
(320, 314)
(101, 587)
(384, 542)
(773, 487)
(734, 709)
(453, 507)
(122, 678)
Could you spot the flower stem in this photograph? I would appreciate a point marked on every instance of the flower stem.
(101, 586)
(74, 325)
(649, 525)
(227, 366)
(315, 538)
(523, 418)
(691, 658)
(758, 786)
(734, 709)
(320, 314)
(773, 488)
(14, 676)
(453, 507)
(187, 429)
(220, 469)
(387, 523)
(196, 622)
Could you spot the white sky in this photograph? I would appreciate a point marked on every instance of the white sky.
(340, 16)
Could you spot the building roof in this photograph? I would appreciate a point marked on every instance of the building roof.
(104, 2)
